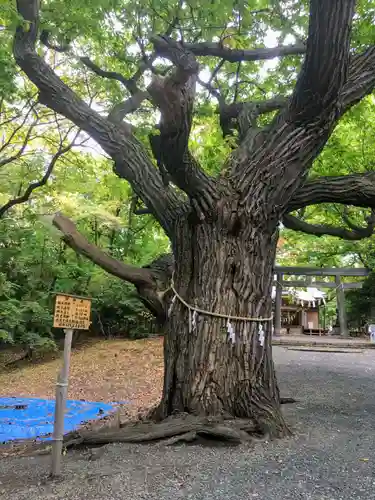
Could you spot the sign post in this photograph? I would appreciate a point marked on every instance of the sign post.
(371, 330)
(71, 313)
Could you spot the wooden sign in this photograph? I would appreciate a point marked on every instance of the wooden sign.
(72, 312)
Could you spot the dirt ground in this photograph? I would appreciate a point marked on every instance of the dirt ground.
(110, 371)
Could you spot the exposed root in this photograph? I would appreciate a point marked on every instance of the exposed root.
(188, 428)
(180, 428)
(189, 437)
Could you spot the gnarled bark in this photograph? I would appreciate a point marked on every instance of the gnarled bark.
(218, 270)
(205, 372)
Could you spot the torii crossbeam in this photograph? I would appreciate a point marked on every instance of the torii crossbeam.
(308, 273)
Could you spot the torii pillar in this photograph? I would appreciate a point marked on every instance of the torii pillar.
(340, 295)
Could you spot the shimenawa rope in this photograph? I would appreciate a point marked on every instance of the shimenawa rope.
(210, 313)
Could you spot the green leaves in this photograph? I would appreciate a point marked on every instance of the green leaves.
(34, 263)
(6, 337)
(349, 150)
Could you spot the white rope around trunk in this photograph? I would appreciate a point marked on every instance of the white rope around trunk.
(215, 314)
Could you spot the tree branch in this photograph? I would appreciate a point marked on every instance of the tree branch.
(233, 110)
(299, 132)
(137, 96)
(212, 91)
(324, 71)
(128, 83)
(356, 189)
(246, 113)
(131, 159)
(350, 223)
(34, 185)
(145, 281)
(79, 244)
(174, 96)
(119, 111)
(235, 55)
(8, 143)
(358, 233)
(62, 150)
(360, 82)
(361, 79)
(130, 105)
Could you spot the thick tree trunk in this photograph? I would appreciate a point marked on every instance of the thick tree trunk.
(206, 373)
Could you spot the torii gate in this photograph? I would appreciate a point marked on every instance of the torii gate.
(308, 273)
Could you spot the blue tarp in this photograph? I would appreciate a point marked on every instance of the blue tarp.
(29, 418)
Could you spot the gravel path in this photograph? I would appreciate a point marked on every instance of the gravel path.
(331, 457)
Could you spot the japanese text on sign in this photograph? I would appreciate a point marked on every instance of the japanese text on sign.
(72, 312)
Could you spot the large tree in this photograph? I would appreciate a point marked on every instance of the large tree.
(223, 225)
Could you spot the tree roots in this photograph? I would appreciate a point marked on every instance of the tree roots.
(179, 428)
(175, 429)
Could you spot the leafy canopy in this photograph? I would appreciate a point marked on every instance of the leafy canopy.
(115, 35)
